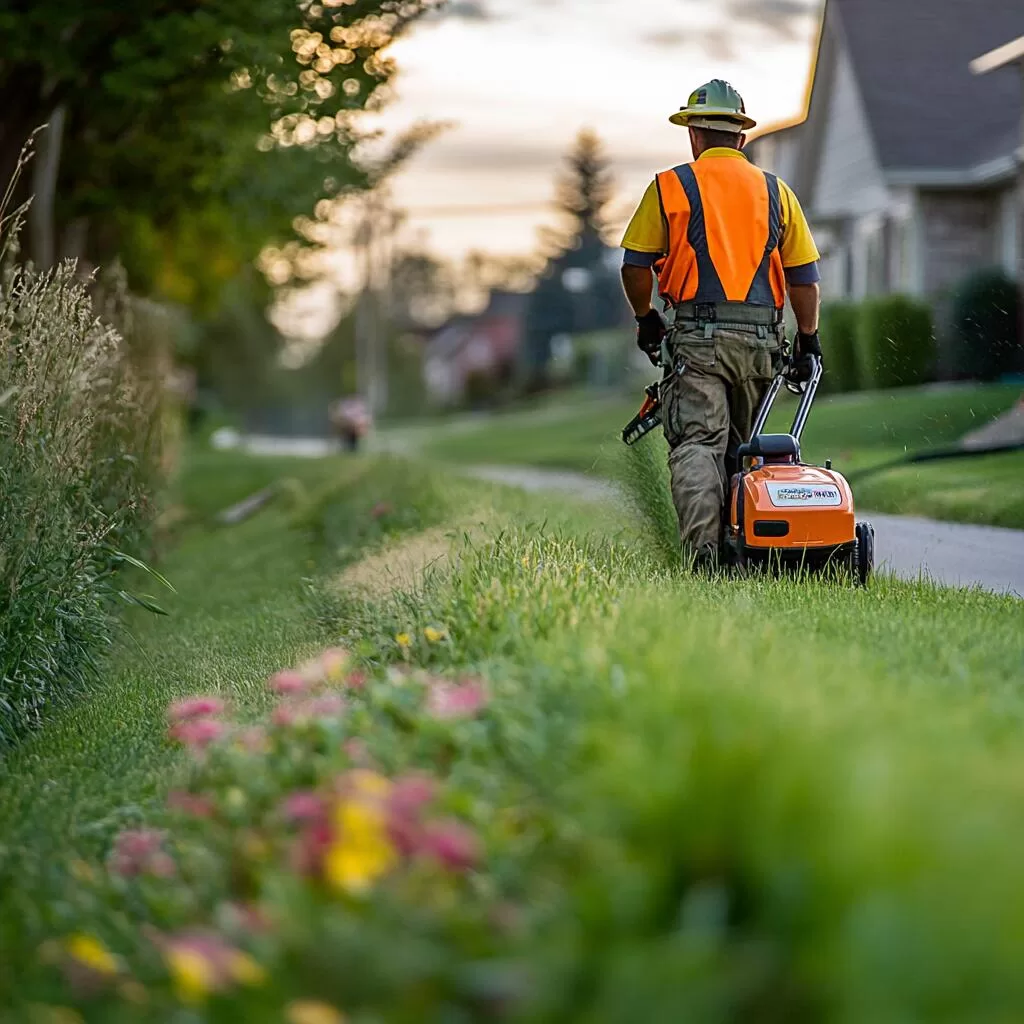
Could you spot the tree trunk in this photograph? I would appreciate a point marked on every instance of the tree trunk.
(44, 189)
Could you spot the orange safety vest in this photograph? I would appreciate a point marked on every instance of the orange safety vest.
(724, 220)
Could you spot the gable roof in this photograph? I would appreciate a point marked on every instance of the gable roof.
(912, 60)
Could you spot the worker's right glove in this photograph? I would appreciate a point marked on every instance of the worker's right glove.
(650, 329)
(804, 347)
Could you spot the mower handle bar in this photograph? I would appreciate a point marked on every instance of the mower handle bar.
(803, 409)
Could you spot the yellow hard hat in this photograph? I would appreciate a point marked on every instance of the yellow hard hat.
(716, 105)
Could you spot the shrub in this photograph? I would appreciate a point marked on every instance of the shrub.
(895, 341)
(74, 464)
(986, 326)
(839, 343)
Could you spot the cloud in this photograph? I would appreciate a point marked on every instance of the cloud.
(714, 42)
(783, 17)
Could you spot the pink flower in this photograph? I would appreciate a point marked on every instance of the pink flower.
(140, 852)
(253, 740)
(333, 662)
(191, 803)
(447, 700)
(356, 680)
(304, 805)
(450, 843)
(309, 850)
(202, 962)
(356, 750)
(303, 712)
(411, 793)
(406, 800)
(194, 707)
(247, 917)
(382, 509)
(331, 705)
(288, 683)
(197, 733)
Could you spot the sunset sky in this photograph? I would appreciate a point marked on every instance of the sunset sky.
(519, 78)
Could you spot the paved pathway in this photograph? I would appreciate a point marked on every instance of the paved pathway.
(950, 553)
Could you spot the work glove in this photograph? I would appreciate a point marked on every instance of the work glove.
(650, 329)
(804, 347)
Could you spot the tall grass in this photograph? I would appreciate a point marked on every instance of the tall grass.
(76, 463)
(641, 471)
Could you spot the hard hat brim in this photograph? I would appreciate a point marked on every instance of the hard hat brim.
(743, 123)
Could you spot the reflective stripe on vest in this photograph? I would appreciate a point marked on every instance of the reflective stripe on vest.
(724, 223)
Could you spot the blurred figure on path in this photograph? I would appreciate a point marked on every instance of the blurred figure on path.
(350, 420)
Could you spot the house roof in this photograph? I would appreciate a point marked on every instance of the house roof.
(912, 61)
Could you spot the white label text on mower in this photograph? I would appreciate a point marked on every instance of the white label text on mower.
(805, 495)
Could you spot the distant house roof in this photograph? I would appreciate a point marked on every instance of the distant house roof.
(926, 111)
(912, 62)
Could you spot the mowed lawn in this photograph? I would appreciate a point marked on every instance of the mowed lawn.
(855, 431)
(705, 801)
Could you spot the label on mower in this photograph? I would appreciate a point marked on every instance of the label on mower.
(804, 496)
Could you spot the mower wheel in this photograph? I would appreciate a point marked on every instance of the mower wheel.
(865, 555)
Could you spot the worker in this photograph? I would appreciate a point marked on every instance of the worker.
(725, 241)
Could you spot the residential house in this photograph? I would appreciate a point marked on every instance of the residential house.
(483, 347)
(904, 160)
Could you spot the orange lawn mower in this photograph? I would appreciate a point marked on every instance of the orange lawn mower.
(783, 513)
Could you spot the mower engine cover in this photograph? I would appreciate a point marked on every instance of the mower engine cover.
(793, 508)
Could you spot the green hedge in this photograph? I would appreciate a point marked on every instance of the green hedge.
(839, 343)
(986, 326)
(896, 341)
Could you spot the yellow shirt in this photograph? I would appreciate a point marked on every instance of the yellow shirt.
(647, 232)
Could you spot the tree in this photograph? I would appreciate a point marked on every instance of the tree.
(189, 125)
(584, 189)
(578, 290)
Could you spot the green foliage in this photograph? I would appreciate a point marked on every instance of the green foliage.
(194, 131)
(618, 865)
(842, 359)
(986, 325)
(74, 468)
(896, 341)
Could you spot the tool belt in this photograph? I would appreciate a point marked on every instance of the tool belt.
(731, 316)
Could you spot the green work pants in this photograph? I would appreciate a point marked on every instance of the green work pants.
(709, 409)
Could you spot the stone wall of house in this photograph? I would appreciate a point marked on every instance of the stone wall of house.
(960, 233)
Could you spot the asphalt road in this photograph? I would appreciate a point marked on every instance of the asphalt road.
(954, 554)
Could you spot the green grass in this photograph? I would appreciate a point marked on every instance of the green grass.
(714, 802)
(855, 431)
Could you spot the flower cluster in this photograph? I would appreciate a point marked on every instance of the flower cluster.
(323, 797)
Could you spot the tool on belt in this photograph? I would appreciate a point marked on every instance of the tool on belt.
(649, 415)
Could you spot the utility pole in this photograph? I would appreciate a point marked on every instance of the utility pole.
(1012, 55)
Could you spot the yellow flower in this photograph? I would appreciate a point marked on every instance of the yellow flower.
(192, 973)
(403, 640)
(362, 852)
(311, 1011)
(133, 992)
(82, 871)
(88, 950)
(369, 784)
(435, 636)
(235, 798)
(245, 970)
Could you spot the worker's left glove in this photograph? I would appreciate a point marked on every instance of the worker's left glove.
(804, 347)
(650, 329)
